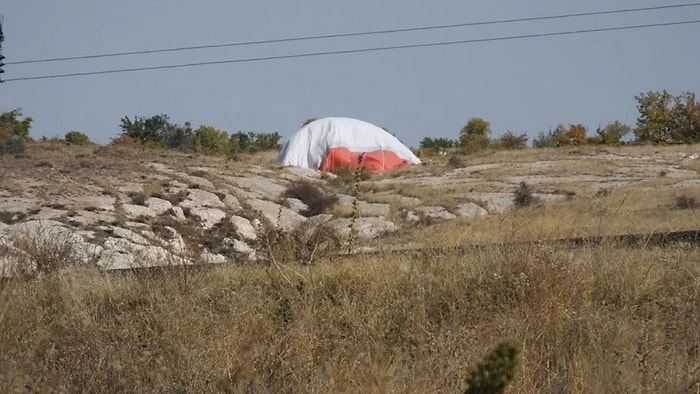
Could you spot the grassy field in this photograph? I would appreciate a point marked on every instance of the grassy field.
(588, 320)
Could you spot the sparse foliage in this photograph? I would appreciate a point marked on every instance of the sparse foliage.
(685, 201)
(524, 196)
(77, 138)
(510, 140)
(613, 133)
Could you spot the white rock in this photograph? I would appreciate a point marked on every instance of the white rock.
(296, 204)
(244, 228)
(179, 214)
(129, 235)
(208, 216)
(212, 258)
(158, 205)
(202, 198)
(366, 228)
(436, 213)
(471, 210)
(242, 247)
(288, 219)
(133, 211)
(49, 213)
(231, 202)
(262, 186)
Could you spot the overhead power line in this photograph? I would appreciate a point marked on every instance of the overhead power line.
(356, 34)
(360, 50)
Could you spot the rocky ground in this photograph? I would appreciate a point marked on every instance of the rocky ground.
(122, 207)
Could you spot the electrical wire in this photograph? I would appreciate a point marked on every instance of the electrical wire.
(360, 50)
(356, 34)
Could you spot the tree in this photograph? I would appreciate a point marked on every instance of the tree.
(511, 141)
(475, 134)
(18, 127)
(686, 114)
(656, 118)
(154, 130)
(575, 134)
(613, 133)
(552, 138)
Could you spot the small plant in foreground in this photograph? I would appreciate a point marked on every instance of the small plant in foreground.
(495, 371)
(523, 196)
(686, 202)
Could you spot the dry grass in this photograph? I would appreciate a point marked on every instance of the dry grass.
(588, 320)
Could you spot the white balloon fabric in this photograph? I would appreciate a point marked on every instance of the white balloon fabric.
(329, 143)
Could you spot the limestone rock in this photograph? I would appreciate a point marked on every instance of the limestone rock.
(288, 219)
(367, 228)
(208, 216)
(244, 228)
(471, 210)
(436, 213)
(158, 205)
(202, 198)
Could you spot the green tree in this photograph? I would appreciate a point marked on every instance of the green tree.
(153, 130)
(656, 118)
(307, 121)
(475, 134)
(613, 133)
(19, 127)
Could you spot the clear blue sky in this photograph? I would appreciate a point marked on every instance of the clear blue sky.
(527, 85)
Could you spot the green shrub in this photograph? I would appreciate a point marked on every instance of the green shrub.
(77, 138)
(495, 371)
(212, 140)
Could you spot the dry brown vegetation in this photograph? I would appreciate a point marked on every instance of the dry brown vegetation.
(590, 319)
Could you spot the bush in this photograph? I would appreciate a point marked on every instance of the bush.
(437, 143)
(212, 140)
(317, 200)
(686, 202)
(153, 130)
(11, 144)
(511, 141)
(77, 138)
(523, 196)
